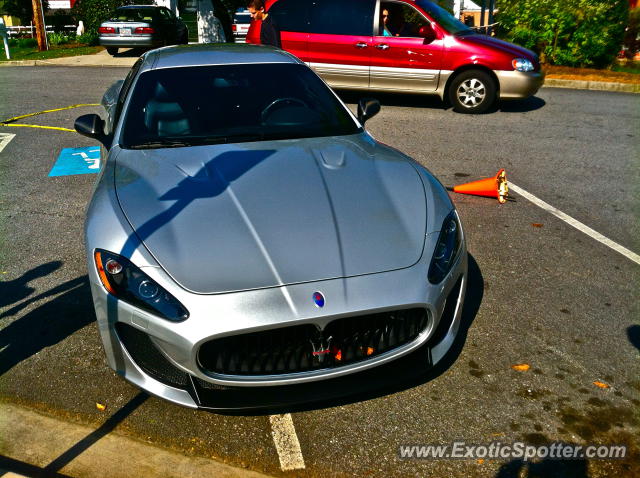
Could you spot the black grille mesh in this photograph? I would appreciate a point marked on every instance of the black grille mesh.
(302, 348)
(149, 358)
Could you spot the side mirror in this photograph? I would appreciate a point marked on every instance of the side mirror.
(428, 33)
(367, 108)
(91, 126)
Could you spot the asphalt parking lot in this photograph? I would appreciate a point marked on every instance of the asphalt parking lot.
(542, 293)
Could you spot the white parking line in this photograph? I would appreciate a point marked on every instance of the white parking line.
(577, 224)
(286, 441)
(5, 139)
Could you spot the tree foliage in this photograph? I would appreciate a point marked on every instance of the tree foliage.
(566, 32)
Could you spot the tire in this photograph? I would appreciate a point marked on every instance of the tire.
(112, 50)
(472, 92)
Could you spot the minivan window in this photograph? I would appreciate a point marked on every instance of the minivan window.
(445, 19)
(403, 20)
(340, 17)
(292, 15)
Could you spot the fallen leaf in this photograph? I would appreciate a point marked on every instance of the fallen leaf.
(537, 224)
(101, 407)
(521, 367)
(480, 461)
(600, 384)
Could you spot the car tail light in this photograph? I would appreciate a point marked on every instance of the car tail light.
(234, 27)
(143, 31)
(106, 30)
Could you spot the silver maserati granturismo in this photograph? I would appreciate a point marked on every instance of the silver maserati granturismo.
(246, 233)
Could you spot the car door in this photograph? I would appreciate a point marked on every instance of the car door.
(402, 58)
(292, 18)
(340, 35)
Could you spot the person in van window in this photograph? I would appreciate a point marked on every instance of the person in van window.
(384, 19)
(269, 31)
(395, 23)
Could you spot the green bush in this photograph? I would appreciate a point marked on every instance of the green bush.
(88, 38)
(57, 38)
(23, 42)
(583, 33)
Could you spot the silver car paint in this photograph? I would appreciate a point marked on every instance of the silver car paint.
(218, 315)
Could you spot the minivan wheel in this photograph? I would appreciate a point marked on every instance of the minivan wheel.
(112, 50)
(472, 91)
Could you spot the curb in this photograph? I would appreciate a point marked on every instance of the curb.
(37, 445)
(592, 85)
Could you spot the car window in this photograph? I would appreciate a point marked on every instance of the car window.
(292, 15)
(165, 14)
(340, 17)
(402, 20)
(133, 15)
(445, 19)
(242, 18)
(125, 89)
(232, 103)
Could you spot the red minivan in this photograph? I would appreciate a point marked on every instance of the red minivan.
(410, 46)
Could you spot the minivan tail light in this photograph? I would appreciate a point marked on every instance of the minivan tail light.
(144, 31)
(106, 30)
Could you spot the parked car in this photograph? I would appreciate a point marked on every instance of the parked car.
(240, 26)
(145, 26)
(425, 50)
(247, 232)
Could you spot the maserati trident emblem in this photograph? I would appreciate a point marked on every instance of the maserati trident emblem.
(321, 348)
(318, 299)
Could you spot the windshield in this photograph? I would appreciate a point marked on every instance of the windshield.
(188, 106)
(445, 19)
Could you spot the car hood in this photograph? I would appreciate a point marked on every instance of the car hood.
(254, 215)
(488, 41)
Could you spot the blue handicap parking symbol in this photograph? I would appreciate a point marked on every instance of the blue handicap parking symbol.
(77, 161)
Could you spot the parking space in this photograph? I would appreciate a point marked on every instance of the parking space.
(542, 294)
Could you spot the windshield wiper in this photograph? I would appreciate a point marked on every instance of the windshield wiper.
(161, 143)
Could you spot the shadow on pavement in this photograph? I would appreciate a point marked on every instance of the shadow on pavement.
(405, 100)
(51, 470)
(544, 469)
(401, 374)
(129, 52)
(48, 324)
(521, 106)
(633, 333)
(15, 290)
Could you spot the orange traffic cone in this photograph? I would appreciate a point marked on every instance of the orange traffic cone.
(496, 187)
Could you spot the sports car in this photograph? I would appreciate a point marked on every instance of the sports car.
(247, 234)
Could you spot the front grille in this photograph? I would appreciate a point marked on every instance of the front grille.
(303, 348)
(149, 358)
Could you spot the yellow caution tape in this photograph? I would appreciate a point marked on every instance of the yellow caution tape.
(17, 125)
(15, 118)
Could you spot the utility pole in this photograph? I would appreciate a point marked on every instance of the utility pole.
(491, 8)
(482, 13)
(38, 17)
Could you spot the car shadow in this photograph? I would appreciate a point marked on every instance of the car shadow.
(402, 374)
(48, 324)
(521, 106)
(633, 332)
(549, 468)
(404, 100)
(130, 52)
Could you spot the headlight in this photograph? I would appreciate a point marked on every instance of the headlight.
(127, 282)
(522, 64)
(446, 249)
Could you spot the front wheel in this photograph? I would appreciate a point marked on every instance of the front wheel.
(472, 91)
(112, 50)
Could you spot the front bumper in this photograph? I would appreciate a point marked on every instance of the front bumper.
(518, 84)
(174, 346)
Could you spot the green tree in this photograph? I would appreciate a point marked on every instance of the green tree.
(566, 32)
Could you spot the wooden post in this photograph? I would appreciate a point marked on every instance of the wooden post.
(38, 17)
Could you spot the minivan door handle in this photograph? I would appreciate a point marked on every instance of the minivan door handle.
(361, 45)
(382, 46)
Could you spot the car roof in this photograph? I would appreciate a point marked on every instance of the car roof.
(215, 54)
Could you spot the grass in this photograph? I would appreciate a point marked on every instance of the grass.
(631, 67)
(32, 53)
